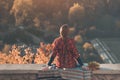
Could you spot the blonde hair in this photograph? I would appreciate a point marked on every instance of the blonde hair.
(64, 26)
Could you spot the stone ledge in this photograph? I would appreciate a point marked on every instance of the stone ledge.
(34, 71)
(18, 72)
(108, 69)
(22, 66)
(109, 66)
(107, 72)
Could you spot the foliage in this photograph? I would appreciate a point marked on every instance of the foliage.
(94, 65)
(37, 55)
(48, 15)
(14, 55)
(22, 10)
(78, 39)
(76, 14)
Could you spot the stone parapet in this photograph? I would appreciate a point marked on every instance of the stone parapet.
(107, 72)
(35, 72)
(106, 75)
(18, 75)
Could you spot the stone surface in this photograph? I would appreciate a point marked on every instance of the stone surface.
(34, 72)
(18, 77)
(107, 72)
(22, 66)
(110, 66)
(76, 74)
(106, 77)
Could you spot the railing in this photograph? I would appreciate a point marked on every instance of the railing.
(110, 53)
(103, 50)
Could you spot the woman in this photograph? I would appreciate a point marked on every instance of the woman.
(64, 50)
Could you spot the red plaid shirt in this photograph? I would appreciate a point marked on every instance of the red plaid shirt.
(65, 53)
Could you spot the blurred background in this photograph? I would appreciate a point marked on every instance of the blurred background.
(30, 22)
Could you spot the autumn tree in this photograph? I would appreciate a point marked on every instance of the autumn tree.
(22, 10)
(76, 14)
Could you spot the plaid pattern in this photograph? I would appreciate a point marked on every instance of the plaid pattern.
(65, 52)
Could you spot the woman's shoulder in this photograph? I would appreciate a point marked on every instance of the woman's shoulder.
(57, 39)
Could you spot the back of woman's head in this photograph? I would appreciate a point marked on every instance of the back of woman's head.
(64, 30)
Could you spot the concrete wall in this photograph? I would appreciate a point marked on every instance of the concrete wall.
(18, 75)
(35, 72)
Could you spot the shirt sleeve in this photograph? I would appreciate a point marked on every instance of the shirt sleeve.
(74, 50)
(55, 48)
